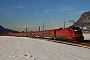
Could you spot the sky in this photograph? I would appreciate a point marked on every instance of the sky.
(19, 14)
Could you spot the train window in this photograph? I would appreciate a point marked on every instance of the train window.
(77, 30)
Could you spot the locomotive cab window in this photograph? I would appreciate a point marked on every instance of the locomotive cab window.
(77, 30)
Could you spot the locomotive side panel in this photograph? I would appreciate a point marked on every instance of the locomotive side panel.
(63, 34)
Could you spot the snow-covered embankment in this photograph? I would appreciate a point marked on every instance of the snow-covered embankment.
(23, 48)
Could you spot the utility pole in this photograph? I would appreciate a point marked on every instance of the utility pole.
(43, 26)
(43, 29)
(72, 22)
(64, 24)
(26, 31)
(39, 28)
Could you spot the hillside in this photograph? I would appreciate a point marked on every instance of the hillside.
(84, 22)
(5, 30)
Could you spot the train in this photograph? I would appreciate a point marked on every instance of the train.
(71, 34)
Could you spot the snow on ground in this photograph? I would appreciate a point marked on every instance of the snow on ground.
(23, 48)
(86, 36)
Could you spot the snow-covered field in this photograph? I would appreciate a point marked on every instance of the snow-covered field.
(23, 48)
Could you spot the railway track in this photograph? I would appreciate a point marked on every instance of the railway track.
(81, 44)
(85, 43)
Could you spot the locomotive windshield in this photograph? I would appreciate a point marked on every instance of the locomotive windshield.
(77, 30)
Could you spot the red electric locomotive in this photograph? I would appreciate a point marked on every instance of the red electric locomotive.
(73, 34)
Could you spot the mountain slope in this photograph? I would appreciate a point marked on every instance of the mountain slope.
(5, 30)
(84, 22)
